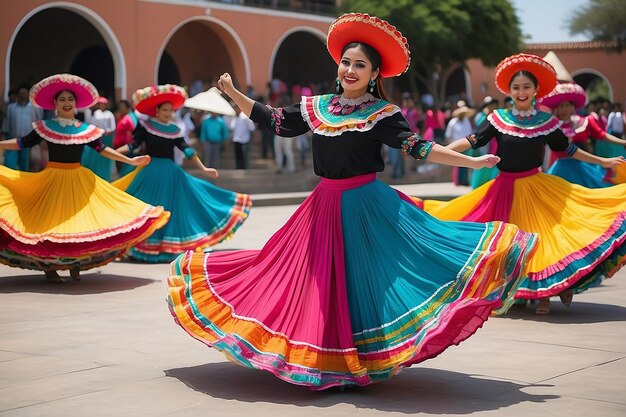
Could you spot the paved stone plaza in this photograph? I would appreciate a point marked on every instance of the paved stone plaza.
(107, 346)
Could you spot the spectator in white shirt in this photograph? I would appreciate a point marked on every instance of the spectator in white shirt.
(615, 124)
(460, 126)
(242, 128)
(283, 150)
(18, 122)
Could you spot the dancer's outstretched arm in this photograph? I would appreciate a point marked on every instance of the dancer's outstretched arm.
(209, 172)
(244, 102)
(444, 155)
(604, 162)
(459, 145)
(137, 161)
(10, 145)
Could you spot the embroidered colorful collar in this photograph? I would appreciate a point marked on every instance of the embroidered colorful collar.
(167, 131)
(575, 125)
(326, 115)
(61, 132)
(528, 127)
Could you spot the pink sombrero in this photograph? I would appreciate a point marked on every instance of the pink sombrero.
(42, 94)
(544, 72)
(377, 33)
(571, 92)
(147, 99)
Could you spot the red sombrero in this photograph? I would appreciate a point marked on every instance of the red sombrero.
(544, 72)
(377, 33)
(565, 92)
(42, 94)
(147, 99)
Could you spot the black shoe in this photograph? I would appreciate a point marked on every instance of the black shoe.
(75, 273)
(53, 276)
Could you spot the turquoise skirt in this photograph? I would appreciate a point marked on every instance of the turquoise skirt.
(609, 150)
(483, 175)
(97, 163)
(202, 214)
(357, 285)
(581, 173)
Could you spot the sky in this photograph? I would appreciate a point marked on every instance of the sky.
(546, 20)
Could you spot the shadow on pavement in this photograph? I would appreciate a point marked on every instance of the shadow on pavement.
(90, 283)
(576, 313)
(414, 390)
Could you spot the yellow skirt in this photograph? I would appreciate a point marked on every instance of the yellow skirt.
(617, 175)
(581, 231)
(66, 216)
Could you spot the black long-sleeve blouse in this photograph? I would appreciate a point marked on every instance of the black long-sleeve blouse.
(344, 145)
(160, 140)
(521, 143)
(65, 143)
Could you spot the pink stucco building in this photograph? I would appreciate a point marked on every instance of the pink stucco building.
(122, 45)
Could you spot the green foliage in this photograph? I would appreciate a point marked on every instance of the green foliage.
(443, 33)
(598, 88)
(450, 31)
(602, 20)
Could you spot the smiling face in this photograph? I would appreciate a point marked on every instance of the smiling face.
(522, 90)
(65, 104)
(355, 72)
(164, 113)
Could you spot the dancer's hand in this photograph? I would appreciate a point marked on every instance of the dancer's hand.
(225, 83)
(140, 161)
(245, 103)
(612, 162)
(210, 172)
(486, 161)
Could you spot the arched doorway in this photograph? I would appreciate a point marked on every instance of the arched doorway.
(168, 71)
(93, 52)
(300, 57)
(595, 84)
(197, 51)
(95, 64)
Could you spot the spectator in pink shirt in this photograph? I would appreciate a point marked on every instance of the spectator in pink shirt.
(124, 132)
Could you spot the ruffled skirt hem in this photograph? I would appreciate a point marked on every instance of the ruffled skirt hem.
(65, 216)
(356, 286)
(582, 232)
(203, 215)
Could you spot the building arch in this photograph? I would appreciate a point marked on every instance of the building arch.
(181, 37)
(292, 56)
(99, 25)
(586, 77)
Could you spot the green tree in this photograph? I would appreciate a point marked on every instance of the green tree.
(446, 33)
(602, 20)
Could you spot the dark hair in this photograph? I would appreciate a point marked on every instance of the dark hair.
(124, 102)
(525, 74)
(374, 57)
(369, 52)
(161, 104)
(56, 96)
